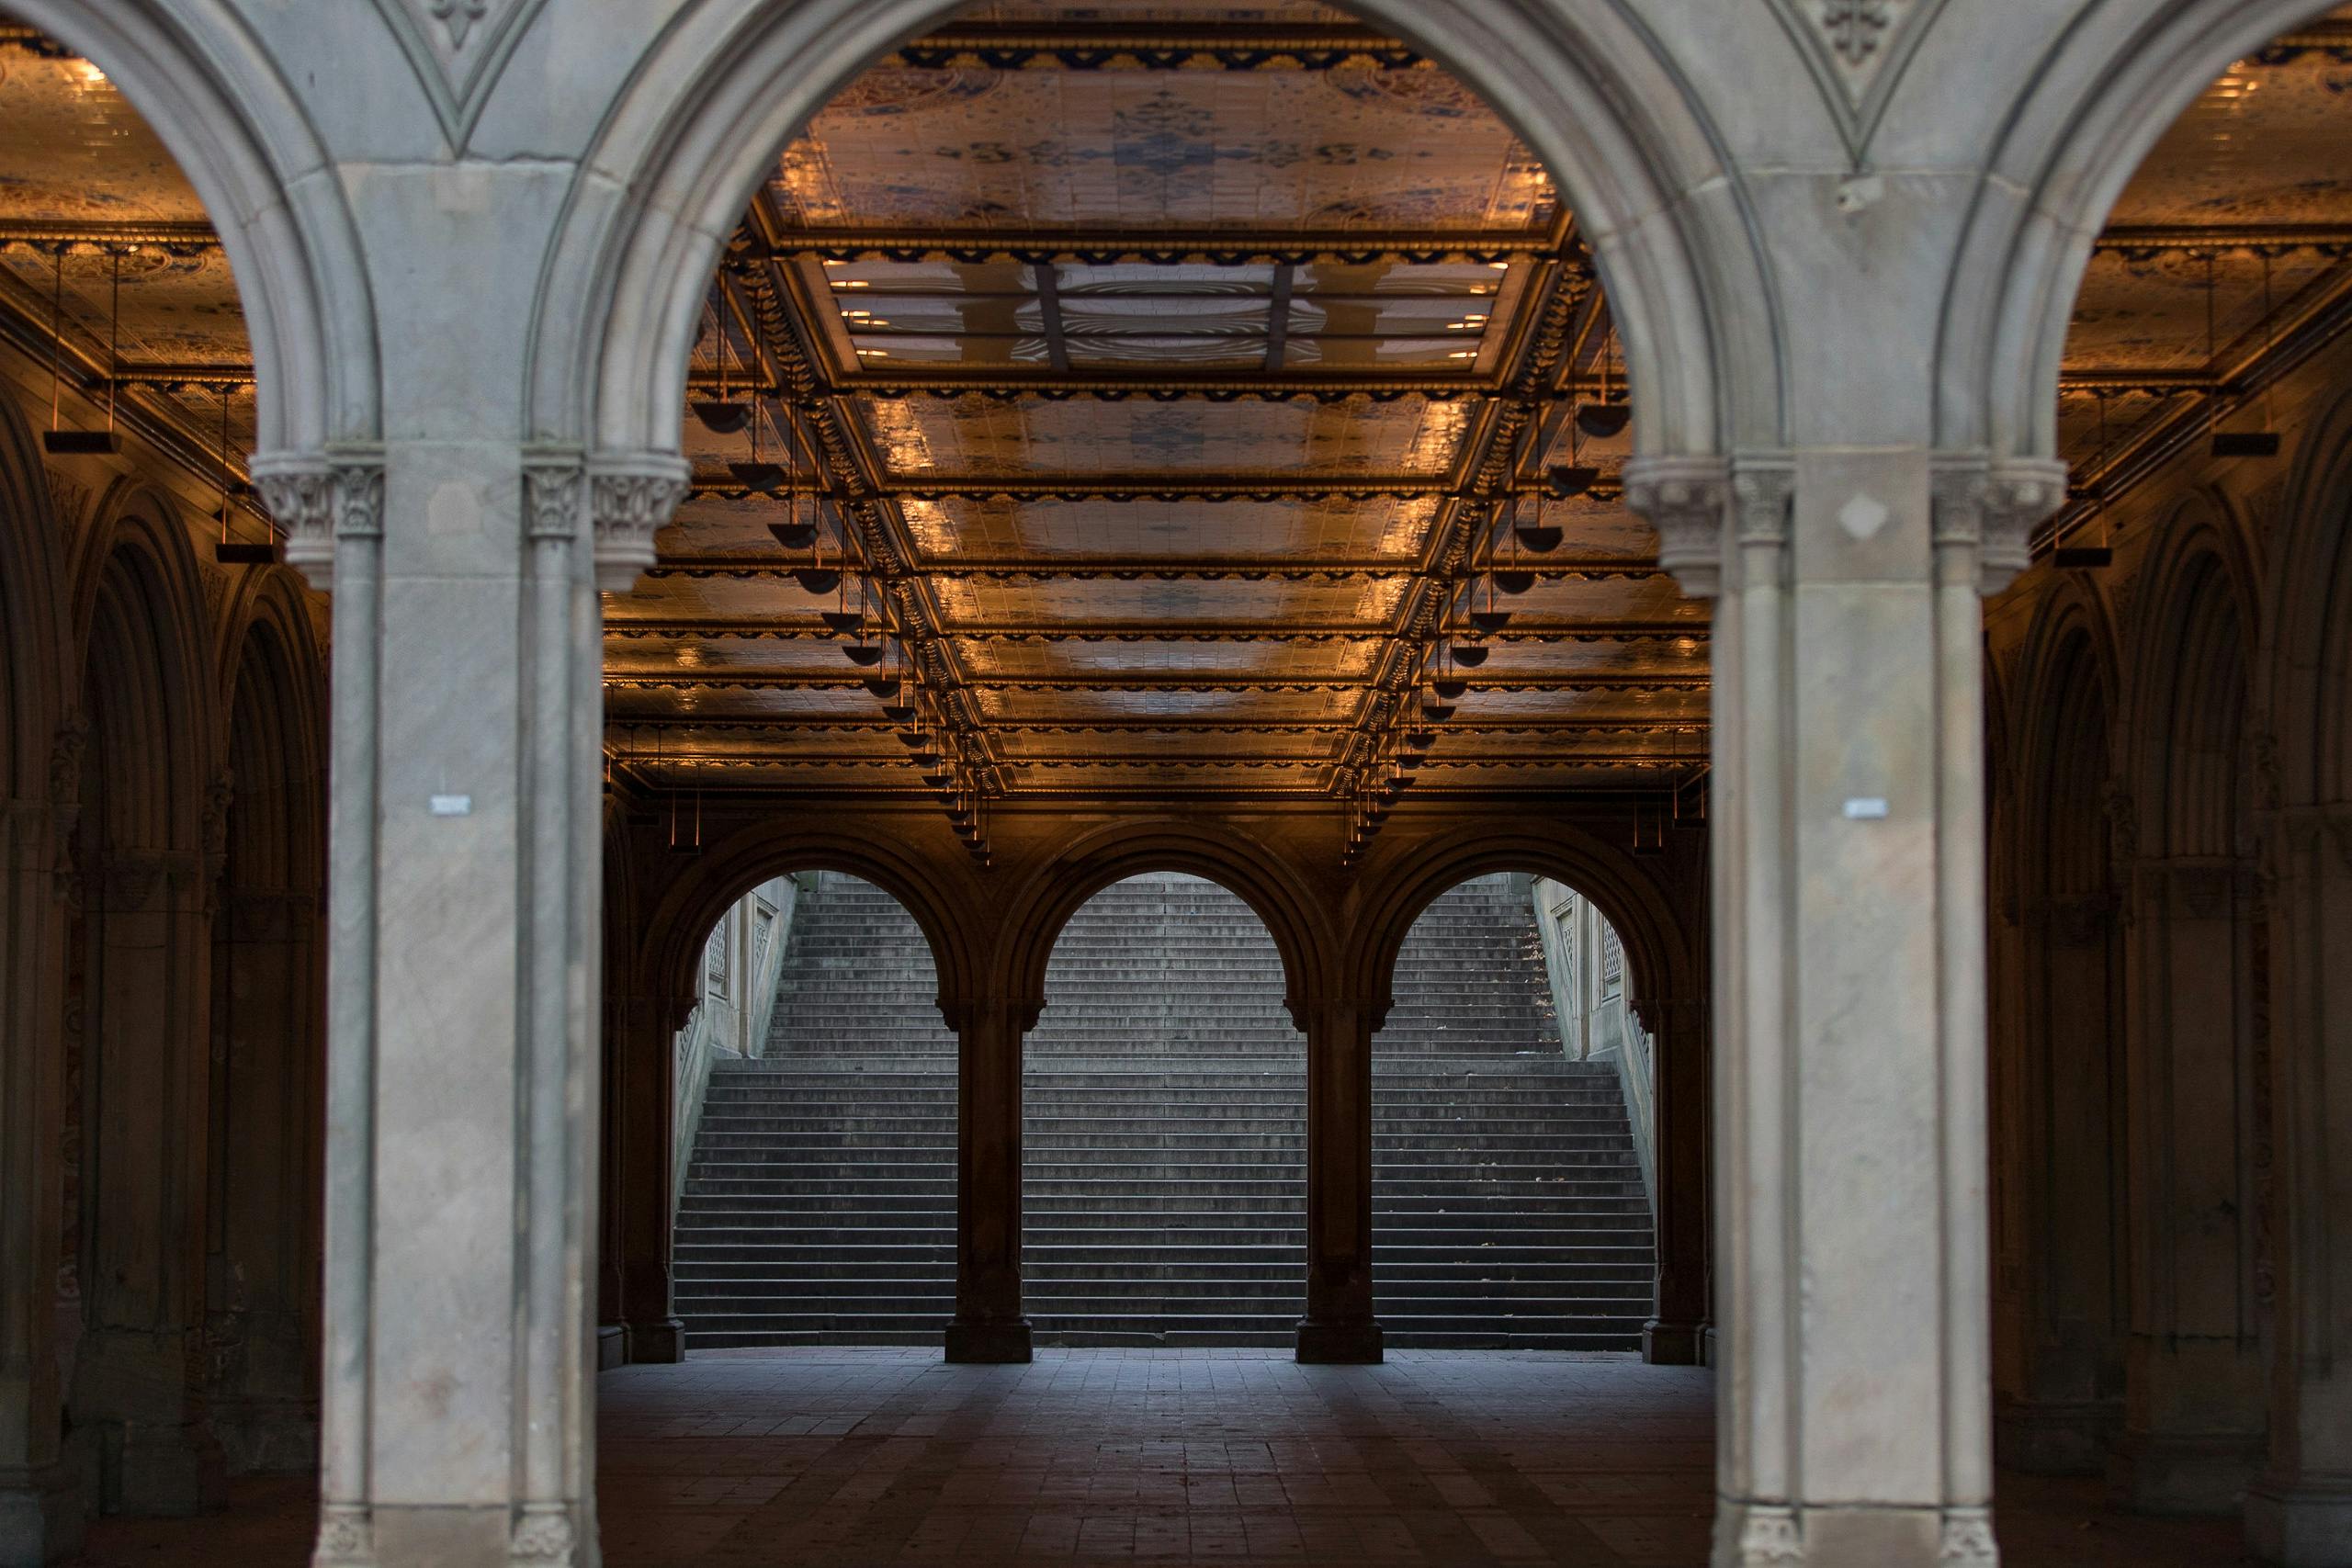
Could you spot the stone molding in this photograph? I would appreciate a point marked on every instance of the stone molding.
(1686, 501)
(632, 496)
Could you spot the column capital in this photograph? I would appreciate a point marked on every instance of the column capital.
(318, 497)
(1994, 506)
(1308, 1013)
(632, 495)
(553, 478)
(1685, 500)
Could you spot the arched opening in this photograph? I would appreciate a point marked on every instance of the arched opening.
(1512, 1177)
(132, 1143)
(268, 1056)
(1164, 1131)
(2071, 1400)
(814, 1125)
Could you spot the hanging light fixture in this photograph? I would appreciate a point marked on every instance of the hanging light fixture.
(1605, 419)
(2263, 443)
(56, 440)
(722, 416)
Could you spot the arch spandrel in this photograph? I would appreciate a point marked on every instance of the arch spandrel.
(1585, 83)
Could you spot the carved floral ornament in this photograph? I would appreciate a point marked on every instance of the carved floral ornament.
(316, 499)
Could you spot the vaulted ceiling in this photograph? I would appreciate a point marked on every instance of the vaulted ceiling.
(1163, 385)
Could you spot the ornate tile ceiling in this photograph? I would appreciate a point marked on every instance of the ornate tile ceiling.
(1168, 378)
(1177, 371)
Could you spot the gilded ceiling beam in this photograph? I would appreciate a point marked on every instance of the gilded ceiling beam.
(1594, 568)
(180, 237)
(849, 679)
(715, 629)
(1464, 725)
(1222, 245)
(1114, 47)
(2139, 239)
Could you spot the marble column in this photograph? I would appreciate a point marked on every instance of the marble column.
(1675, 1333)
(462, 1084)
(1850, 989)
(40, 1506)
(990, 1324)
(2299, 1513)
(1339, 1327)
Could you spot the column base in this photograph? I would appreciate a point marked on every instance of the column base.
(2183, 1476)
(40, 1516)
(612, 1347)
(1339, 1344)
(1774, 1535)
(661, 1341)
(2293, 1525)
(1674, 1344)
(989, 1344)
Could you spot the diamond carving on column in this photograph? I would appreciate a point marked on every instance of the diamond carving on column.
(457, 48)
(1863, 516)
(1856, 51)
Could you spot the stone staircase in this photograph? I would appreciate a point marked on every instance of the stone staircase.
(1164, 1142)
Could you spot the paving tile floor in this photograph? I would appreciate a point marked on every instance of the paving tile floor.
(875, 1458)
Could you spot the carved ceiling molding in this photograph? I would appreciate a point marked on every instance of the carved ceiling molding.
(457, 49)
(1857, 52)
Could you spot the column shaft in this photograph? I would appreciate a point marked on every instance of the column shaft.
(1338, 1325)
(989, 1323)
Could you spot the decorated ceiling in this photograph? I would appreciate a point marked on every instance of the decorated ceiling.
(1161, 400)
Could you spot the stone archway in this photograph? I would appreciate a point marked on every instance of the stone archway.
(2062, 1416)
(1667, 988)
(134, 1070)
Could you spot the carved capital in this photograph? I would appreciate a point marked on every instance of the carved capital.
(318, 498)
(297, 491)
(632, 497)
(552, 483)
(1996, 507)
(1686, 500)
(2025, 493)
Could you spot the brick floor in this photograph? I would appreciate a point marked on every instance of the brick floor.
(846, 1459)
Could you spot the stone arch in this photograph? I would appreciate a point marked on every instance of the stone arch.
(135, 1006)
(2064, 1413)
(1666, 987)
(681, 918)
(2191, 677)
(1250, 870)
(33, 663)
(1634, 149)
(266, 1091)
(2104, 96)
(1660, 956)
(204, 84)
(2308, 612)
